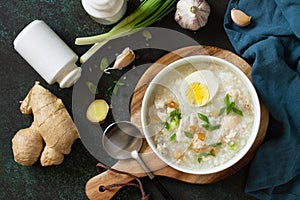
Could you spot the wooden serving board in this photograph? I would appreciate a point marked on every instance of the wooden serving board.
(155, 164)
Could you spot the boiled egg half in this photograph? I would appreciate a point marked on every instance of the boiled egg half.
(199, 87)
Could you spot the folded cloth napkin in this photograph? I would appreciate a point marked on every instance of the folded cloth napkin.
(271, 44)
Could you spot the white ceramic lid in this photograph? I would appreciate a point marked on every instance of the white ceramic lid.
(102, 8)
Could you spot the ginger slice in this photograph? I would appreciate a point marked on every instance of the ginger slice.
(97, 111)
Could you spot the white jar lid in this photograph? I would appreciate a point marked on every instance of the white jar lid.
(70, 78)
(103, 4)
(102, 8)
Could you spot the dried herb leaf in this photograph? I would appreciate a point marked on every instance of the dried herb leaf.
(115, 90)
(92, 87)
(222, 110)
(147, 35)
(104, 63)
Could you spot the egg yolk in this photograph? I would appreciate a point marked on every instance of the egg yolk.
(197, 93)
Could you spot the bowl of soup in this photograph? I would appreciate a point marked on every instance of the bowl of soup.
(200, 114)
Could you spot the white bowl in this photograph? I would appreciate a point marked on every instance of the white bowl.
(165, 78)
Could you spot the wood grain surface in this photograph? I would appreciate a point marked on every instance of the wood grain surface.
(155, 164)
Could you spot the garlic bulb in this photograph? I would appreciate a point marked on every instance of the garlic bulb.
(192, 14)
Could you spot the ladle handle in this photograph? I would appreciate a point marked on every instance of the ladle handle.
(136, 156)
(162, 189)
(159, 186)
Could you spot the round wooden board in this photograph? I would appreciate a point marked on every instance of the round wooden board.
(155, 164)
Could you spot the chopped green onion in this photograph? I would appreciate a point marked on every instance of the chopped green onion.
(174, 113)
(188, 134)
(230, 106)
(227, 102)
(210, 127)
(199, 159)
(173, 138)
(203, 117)
(207, 154)
(232, 145)
(167, 125)
(207, 125)
(215, 127)
(210, 153)
(237, 111)
(216, 144)
(175, 117)
(174, 124)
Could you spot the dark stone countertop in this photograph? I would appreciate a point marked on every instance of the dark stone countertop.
(67, 181)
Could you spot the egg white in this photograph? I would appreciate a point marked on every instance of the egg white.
(205, 77)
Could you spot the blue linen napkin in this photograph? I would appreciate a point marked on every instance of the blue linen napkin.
(271, 43)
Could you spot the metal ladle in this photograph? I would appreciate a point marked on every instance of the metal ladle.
(122, 140)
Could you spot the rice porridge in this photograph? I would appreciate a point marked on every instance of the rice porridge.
(200, 116)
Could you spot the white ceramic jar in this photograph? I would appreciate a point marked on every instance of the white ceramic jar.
(44, 50)
(105, 11)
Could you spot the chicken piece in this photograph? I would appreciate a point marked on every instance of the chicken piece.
(247, 105)
(164, 103)
(162, 148)
(162, 97)
(199, 142)
(228, 127)
(162, 114)
(234, 93)
(178, 153)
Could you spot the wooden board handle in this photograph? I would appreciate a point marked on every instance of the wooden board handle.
(96, 183)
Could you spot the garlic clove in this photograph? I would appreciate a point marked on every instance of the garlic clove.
(240, 18)
(122, 60)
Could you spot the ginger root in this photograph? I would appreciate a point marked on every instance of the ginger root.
(52, 126)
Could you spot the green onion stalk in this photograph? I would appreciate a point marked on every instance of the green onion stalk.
(148, 12)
